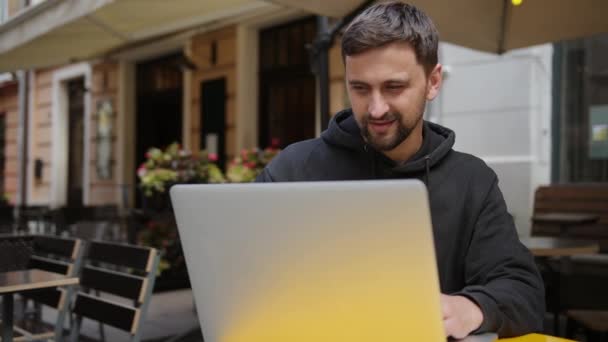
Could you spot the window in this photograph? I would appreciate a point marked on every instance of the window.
(287, 85)
(580, 151)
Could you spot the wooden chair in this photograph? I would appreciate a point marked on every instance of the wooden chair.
(582, 280)
(575, 198)
(58, 255)
(594, 324)
(125, 271)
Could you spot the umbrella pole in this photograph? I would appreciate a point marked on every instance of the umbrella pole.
(319, 56)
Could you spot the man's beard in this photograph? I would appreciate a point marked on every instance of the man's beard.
(387, 143)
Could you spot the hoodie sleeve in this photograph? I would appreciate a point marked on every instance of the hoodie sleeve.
(501, 273)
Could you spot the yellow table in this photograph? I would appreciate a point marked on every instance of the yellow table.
(534, 338)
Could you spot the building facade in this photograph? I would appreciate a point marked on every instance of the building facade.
(244, 81)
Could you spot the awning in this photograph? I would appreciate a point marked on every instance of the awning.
(62, 31)
(493, 25)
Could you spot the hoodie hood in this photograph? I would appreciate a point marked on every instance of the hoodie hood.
(344, 132)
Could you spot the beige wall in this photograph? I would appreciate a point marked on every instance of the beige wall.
(104, 86)
(199, 51)
(14, 6)
(338, 99)
(9, 106)
(41, 133)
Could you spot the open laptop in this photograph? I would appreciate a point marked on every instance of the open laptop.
(318, 261)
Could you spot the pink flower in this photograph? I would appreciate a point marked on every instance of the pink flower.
(147, 155)
(250, 165)
(141, 170)
(213, 157)
(244, 155)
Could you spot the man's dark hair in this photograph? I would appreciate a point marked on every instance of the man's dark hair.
(389, 22)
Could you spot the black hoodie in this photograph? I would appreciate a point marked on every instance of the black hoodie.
(478, 252)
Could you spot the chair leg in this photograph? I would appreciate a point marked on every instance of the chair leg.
(75, 333)
(571, 328)
(102, 333)
(592, 335)
(38, 311)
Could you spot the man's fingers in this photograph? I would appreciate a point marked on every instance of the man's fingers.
(449, 325)
(453, 328)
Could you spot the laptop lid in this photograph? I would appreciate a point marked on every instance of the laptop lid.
(319, 261)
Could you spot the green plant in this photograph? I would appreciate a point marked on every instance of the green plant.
(162, 235)
(173, 165)
(247, 166)
(4, 199)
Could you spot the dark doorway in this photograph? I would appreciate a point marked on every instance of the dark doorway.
(76, 161)
(287, 85)
(213, 118)
(2, 144)
(159, 93)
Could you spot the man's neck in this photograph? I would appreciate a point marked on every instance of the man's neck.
(408, 147)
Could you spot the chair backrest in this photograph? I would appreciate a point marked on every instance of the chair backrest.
(15, 252)
(58, 255)
(583, 198)
(6, 219)
(125, 271)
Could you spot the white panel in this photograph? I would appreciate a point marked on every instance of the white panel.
(451, 54)
(488, 86)
(514, 182)
(491, 133)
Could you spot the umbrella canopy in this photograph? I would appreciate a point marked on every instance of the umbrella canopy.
(493, 25)
(62, 31)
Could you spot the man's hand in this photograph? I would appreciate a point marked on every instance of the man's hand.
(460, 316)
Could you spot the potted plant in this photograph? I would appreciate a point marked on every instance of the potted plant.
(174, 165)
(250, 163)
(162, 169)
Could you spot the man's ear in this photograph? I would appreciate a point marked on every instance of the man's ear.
(435, 80)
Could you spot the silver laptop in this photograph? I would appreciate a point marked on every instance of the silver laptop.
(322, 261)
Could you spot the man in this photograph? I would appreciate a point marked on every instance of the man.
(488, 278)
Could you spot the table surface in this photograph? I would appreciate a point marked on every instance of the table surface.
(525, 338)
(535, 338)
(18, 281)
(565, 218)
(550, 246)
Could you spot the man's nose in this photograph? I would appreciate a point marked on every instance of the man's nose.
(377, 107)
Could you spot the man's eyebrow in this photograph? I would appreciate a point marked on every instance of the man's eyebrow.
(402, 80)
(357, 82)
(398, 80)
